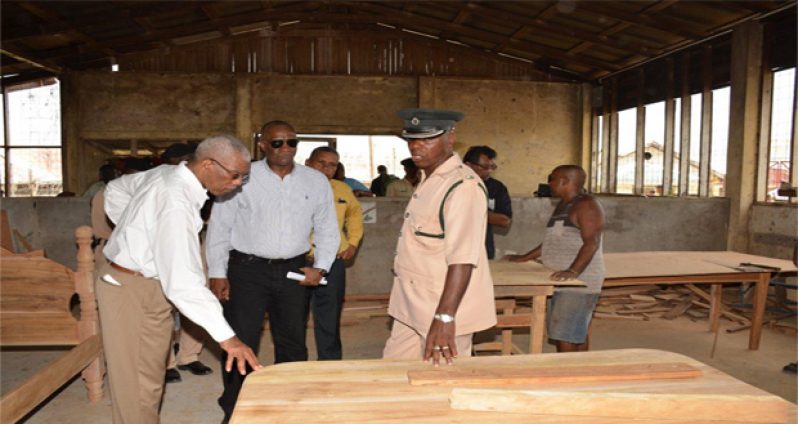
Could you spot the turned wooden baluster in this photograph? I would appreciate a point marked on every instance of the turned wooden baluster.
(89, 317)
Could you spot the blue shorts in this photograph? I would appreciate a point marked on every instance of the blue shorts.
(569, 315)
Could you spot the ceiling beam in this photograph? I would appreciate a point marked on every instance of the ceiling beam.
(291, 12)
(423, 24)
(224, 29)
(38, 9)
(645, 19)
(541, 26)
(26, 56)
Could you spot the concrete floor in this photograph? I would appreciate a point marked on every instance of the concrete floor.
(194, 399)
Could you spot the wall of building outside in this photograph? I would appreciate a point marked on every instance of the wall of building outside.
(533, 125)
(633, 224)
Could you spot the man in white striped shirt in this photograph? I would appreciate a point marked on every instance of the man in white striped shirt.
(153, 255)
(258, 235)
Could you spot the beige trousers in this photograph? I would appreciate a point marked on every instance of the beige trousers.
(136, 324)
(407, 343)
(191, 338)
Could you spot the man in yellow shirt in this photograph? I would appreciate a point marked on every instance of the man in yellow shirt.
(326, 301)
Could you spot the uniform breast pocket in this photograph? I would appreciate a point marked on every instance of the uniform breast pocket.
(428, 234)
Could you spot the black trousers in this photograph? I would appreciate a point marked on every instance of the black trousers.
(326, 303)
(257, 287)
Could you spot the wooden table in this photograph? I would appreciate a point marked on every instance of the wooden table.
(530, 279)
(377, 391)
(715, 268)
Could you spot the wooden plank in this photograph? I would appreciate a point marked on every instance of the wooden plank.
(24, 242)
(736, 408)
(38, 329)
(600, 315)
(473, 376)
(679, 309)
(33, 391)
(5, 232)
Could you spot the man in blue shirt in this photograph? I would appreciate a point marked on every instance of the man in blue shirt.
(259, 234)
(500, 209)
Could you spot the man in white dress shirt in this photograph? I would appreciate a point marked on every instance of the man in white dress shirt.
(259, 234)
(154, 258)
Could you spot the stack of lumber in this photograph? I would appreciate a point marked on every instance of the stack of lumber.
(641, 303)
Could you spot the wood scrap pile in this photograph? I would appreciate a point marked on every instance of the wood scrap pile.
(642, 303)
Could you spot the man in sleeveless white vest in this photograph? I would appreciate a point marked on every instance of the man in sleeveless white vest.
(572, 245)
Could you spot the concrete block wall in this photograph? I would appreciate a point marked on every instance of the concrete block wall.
(634, 224)
(773, 230)
(533, 125)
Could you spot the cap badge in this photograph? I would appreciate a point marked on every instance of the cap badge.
(415, 121)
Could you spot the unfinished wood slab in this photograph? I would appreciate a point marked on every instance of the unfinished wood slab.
(680, 308)
(469, 376)
(601, 315)
(736, 408)
(33, 391)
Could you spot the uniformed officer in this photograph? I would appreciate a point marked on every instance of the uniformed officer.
(442, 291)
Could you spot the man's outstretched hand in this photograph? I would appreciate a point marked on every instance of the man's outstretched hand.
(240, 353)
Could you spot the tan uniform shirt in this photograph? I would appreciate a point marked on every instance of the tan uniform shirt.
(444, 224)
(99, 224)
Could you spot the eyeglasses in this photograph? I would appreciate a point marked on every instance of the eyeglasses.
(234, 175)
(276, 144)
(491, 167)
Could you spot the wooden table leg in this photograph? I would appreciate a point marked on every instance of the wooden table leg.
(715, 306)
(760, 297)
(538, 321)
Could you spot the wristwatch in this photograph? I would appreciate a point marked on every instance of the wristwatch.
(323, 272)
(444, 318)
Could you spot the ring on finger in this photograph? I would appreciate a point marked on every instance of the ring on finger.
(436, 348)
(444, 347)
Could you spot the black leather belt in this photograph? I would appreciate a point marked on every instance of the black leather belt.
(241, 257)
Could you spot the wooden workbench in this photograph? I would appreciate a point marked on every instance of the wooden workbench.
(530, 279)
(378, 391)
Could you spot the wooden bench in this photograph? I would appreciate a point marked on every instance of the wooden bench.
(35, 296)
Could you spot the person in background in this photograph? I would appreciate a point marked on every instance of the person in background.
(106, 173)
(573, 246)
(380, 184)
(500, 208)
(100, 224)
(357, 187)
(327, 301)
(442, 289)
(154, 263)
(405, 186)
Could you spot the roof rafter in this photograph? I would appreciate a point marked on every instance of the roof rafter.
(644, 19)
(394, 16)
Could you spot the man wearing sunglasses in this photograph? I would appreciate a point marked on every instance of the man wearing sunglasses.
(259, 234)
(153, 259)
(500, 209)
(442, 290)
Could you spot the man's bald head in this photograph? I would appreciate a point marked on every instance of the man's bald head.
(574, 173)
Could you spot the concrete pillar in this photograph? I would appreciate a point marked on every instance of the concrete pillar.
(587, 126)
(746, 70)
(75, 178)
(245, 126)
